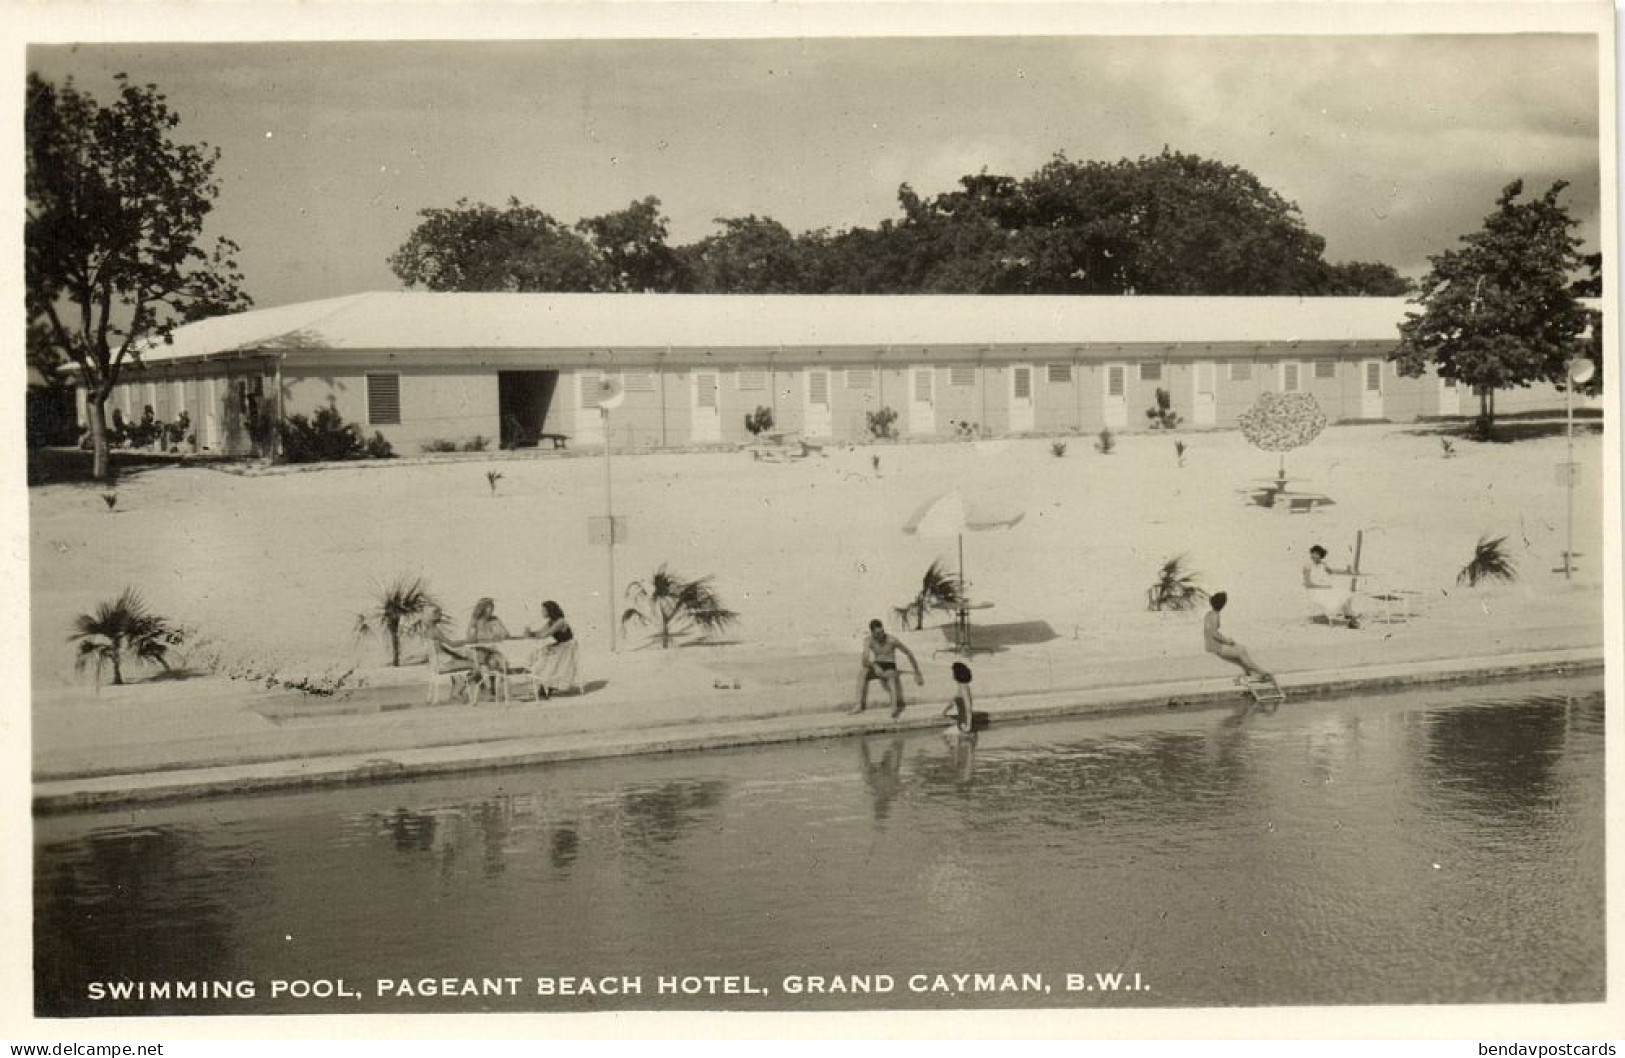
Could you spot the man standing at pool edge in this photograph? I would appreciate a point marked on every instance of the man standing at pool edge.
(880, 663)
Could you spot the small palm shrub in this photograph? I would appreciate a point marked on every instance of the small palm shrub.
(676, 606)
(122, 629)
(491, 479)
(1105, 441)
(111, 499)
(1179, 452)
(882, 424)
(404, 607)
(1448, 446)
(1057, 449)
(1175, 587)
(939, 590)
(1489, 562)
(1162, 414)
(759, 421)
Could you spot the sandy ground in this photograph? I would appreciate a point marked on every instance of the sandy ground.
(277, 565)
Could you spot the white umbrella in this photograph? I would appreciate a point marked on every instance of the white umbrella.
(950, 514)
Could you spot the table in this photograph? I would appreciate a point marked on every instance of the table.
(961, 625)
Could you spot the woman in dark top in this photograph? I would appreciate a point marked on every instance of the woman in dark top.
(555, 663)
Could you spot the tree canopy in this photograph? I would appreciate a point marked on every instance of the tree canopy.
(1172, 224)
(113, 235)
(1501, 310)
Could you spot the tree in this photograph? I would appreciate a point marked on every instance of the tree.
(405, 607)
(124, 627)
(476, 247)
(632, 245)
(1590, 286)
(1363, 279)
(940, 589)
(676, 605)
(1501, 310)
(752, 255)
(113, 236)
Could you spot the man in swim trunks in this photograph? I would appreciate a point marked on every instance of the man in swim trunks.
(1218, 643)
(880, 663)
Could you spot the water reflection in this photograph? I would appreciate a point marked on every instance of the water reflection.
(1243, 856)
(124, 904)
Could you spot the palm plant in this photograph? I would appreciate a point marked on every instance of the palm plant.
(676, 606)
(405, 607)
(1179, 452)
(1175, 587)
(1490, 562)
(1105, 441)
(124, 627)
(939, 590)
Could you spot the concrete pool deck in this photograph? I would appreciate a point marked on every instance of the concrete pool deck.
(174, 739)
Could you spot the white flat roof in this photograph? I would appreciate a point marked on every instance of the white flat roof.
(429, 321)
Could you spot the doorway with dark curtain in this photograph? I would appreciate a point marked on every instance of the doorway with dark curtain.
(523, 399)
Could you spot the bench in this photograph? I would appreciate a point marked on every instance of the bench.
(558, 439)
(1305, 504)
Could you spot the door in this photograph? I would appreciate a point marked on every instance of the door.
(1115, 408)
(1204, 406)
(706, 417)
(815, 412)
(211, 414)
(1021, 398)
(1449, 397)
(922, 400)
(1371, 389)
(589, 420)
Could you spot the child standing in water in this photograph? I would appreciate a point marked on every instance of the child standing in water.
(963, 706)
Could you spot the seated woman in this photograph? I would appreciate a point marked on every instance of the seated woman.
(484, 626)
(448, 657)
(555, 662)
(1333, 602)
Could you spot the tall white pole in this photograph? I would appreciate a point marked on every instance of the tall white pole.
(1568, 476)
(609, 511)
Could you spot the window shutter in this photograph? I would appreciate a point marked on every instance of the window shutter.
(384, 400)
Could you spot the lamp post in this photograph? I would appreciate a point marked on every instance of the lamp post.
(1579, 372)
(610, 395)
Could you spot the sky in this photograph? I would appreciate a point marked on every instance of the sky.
(1391, 146)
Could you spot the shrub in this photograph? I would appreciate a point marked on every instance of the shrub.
(939, 590)
(491, 478)
(1175, 587)
(882, 424)
(477, 443)
(1179, 452)
(120, 629)
(967, 431)
(1448, 446)
(378, 447)
(1057, 449)
(1489, 562)
(322, 437)
(759, 421)
(1105, 441)
(1162, 415)
(439, 444)
(676, 606)
(405, 607)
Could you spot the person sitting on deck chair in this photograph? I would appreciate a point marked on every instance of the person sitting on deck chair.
(880, 663)
(1334, 602)
(1216, 642)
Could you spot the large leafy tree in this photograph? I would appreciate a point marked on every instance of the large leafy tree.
(751, 255)
(115, 254)
(476, 247)
(632, 244)
(1500, 311)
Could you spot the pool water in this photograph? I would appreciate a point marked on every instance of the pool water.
(1439, 846)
